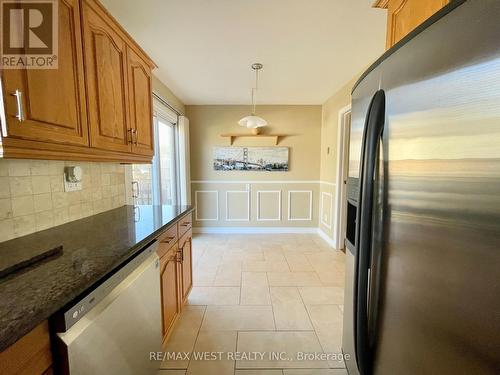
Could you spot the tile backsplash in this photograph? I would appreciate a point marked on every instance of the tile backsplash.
(32, 196)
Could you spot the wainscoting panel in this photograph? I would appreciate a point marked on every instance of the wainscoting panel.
(326, 209)
(207, 205)
(237, 205)
(256, 204)
(300, 205)
(269, 205)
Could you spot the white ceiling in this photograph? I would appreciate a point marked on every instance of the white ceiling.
(204, 48)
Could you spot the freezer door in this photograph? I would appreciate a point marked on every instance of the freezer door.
(438, 304)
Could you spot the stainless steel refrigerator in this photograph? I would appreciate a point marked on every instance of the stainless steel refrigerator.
(423, 235)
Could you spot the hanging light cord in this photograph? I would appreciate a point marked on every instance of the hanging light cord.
(254, 92)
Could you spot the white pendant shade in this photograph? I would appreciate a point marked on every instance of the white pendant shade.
(252, 122)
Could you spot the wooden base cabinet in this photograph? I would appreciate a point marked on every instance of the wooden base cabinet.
(30, 355)
(176, 271)
(185, 249)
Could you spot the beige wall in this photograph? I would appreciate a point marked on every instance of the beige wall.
(32, 195)
(329, 139)
(161, 89)
(256, 199)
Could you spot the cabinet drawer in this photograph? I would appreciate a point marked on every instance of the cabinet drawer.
(167, 239)
(185, 224)
(185, 237)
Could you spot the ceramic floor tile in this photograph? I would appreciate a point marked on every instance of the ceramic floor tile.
(322, 295)
(293, 279)
(298, 262)
(315, 371)
(258, 372)
(171, 372)
(289, 311)
(332, 278)
(214, 295)
(266, 266)
(238, 318)
(327, 322)
(254, 289)
(285, 346)
(212, 342)
(183, 336)
(228, 276)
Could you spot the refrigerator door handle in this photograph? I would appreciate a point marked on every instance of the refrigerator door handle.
(371, 140)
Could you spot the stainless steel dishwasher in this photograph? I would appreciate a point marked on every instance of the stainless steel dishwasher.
(113, 329)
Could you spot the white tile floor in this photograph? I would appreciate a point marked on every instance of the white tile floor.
(267, 294)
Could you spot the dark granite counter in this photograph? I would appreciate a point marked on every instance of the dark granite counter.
(92, 249)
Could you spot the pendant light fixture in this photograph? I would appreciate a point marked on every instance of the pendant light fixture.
(253, 121)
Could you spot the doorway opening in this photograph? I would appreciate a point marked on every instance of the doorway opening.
(344, 132)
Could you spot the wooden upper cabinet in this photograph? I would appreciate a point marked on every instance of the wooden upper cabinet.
(141, 104)
(403, 16)
(106, 68)
(52, 101)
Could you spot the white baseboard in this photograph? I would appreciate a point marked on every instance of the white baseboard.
(326, 237)
(254, 230)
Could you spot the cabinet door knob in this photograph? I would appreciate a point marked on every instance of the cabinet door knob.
(20, 109)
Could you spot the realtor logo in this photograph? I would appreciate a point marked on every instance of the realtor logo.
(29, 34)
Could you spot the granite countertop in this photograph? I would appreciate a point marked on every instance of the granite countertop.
(92, 248)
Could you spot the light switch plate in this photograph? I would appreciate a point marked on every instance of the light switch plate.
(72, 186)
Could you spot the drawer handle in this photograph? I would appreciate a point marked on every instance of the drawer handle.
(168, 239)
(185, 224)
(20, 109)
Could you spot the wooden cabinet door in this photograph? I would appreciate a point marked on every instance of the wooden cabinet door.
(106, 68)
(52, 100)
(141, 104)
(406, 15)
(185, 245)
(169, 288)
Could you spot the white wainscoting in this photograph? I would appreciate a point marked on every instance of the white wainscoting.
(278, 213)
(290, 209)
(228, 208)
(326, 205)
(215, 216)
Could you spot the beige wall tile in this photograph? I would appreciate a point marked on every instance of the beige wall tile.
(59, 199)
(19, 167)
(5, 209)
(4, 187)
(41, 184)
(39, 168)
(44, 220)
(75, 212)
(6, 229)
(42, 202)
(22, 205)
(61, 215)
(56, 168)
(56, 183)
(20, 186)
(24, 225)
(4, 167)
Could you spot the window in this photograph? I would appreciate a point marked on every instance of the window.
(158, 183)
